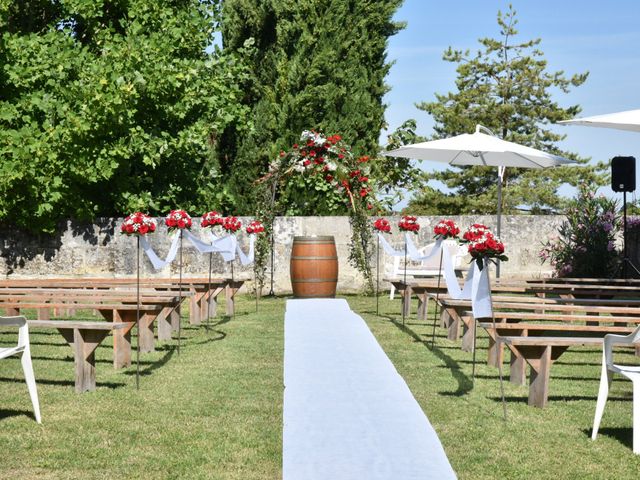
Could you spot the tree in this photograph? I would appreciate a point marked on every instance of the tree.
(506, 87)
(111, 106)
(318, 64)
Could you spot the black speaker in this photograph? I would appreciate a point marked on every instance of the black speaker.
(623, 174)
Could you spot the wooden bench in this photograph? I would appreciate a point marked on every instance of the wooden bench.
(202, 293)
(517, 365)
(115, 313)
(540, 353)
(83, 338)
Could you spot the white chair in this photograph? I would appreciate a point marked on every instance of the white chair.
(629, 371)
(426, 268)
(24, 351)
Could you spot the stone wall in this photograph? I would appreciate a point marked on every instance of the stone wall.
(78, 250)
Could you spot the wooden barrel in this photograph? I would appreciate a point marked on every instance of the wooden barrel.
(314, 267)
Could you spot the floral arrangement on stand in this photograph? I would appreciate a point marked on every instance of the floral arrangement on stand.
(178, 220)
(321, 171)
(255, 228)
(138, 223)
(231, 225)
(382, 225)
(483, 245)
(211, 219)
(446, 229)
(409, 223)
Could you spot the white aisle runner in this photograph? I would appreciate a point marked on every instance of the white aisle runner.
(348, 414)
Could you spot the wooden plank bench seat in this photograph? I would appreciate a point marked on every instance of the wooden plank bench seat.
(202, 294)
(83, 338)
(114, 313)
(540, 353)
(517, 365)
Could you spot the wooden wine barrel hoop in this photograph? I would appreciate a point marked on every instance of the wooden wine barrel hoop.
(298, 257)
(314, 280)
(314, 240)
(314, 267)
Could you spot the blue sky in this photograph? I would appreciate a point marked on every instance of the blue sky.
(577, 36)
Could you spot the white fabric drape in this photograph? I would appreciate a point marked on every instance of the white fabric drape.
(386, 246)
(247, 259)
(414, 253)
(476, 286)
(153, 257)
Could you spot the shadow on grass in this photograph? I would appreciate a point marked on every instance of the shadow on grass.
(64, 383)
(5, 413)
(150, 367)
(623, 435)
(465, 384)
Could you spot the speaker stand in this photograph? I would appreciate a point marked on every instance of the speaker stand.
(625, 260)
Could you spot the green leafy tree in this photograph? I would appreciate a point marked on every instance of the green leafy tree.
(318, 64)
(506, 87)
(111, 105)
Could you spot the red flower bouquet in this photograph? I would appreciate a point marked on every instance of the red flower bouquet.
(446, 229)
(211, 219)
(486, 246)
(409, 223)
(382, 225)
(178, 220)
(138, 223)
(231, 224)
(474, 232)
(255, 227)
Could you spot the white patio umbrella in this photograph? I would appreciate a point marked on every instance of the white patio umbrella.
(480, 149)
(628, 120)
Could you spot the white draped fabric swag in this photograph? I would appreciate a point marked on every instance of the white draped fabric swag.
(226, 246)
(476, 286)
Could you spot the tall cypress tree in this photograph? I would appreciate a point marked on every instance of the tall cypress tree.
(318, 64)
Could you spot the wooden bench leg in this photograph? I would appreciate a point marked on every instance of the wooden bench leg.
(468, 334)
(423, 306)
(539, 382)
(164, 324)
(146, 339)
(84, 344)
(518, 369)
(194, 308)
(453, 332)
(175, 317)
(122, 339)
(230, 292)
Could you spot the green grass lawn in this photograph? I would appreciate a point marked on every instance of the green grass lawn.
(215, 410)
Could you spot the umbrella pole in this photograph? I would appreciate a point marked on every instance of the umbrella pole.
(499, 212)
(435, 308)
